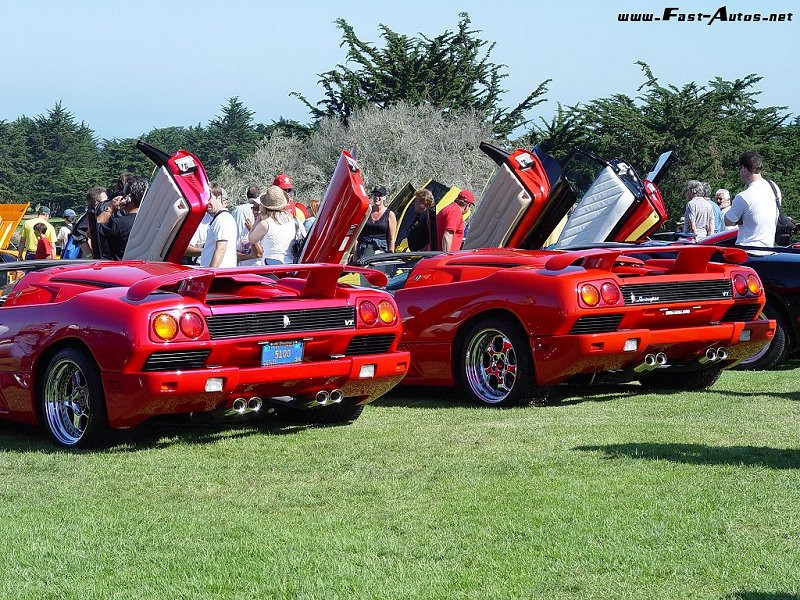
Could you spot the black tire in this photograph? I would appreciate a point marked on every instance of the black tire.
(774, 352)
(71, 402)
(495, 367)
(666, 380)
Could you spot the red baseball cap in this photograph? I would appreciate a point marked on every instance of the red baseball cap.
(466, 196)
(283, 181)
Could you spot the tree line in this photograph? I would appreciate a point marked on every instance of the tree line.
(414, 107)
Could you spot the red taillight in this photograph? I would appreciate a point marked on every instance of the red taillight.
(386, 312)
(165, 326)
(754, 285)
(740, 284)
(368, 312)
(589, 294)
(191, 325)
(609, 293)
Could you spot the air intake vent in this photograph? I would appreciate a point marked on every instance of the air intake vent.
(678, 291)
(741, 312)
(287, 321)
(181, 360)
(369, 344)
(596, 324)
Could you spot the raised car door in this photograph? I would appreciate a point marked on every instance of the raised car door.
(522, 204)
(172, 208)
(341, 216)
(615, 205)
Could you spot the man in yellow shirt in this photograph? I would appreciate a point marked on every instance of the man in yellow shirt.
(28, 239)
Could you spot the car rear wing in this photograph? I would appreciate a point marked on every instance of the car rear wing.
(320, 280)
(689, 259)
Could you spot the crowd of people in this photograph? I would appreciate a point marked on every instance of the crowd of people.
(754, 212)
(270, 227)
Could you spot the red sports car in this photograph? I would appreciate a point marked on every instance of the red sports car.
(87, 346)
(508, 320)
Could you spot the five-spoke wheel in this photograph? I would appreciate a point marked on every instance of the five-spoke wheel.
(496, 366)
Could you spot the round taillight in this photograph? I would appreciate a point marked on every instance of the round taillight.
(165, 326)
(590, 295)
(386, 312)
(191, 325)
(368, 312)
(740, 284)
(754, 285)
(609, 293)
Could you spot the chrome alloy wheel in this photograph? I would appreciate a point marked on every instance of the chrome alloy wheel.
(67, 405)
(491, 365)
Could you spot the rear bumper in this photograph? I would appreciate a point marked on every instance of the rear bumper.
(557, 358)
(133, 397)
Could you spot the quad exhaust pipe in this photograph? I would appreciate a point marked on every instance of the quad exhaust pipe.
(650, 362)
(713, 355)
(325, 398)
(242, 406)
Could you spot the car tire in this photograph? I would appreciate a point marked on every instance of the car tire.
(695, 381)
(495, 365)
(774, 352)
(71, 400)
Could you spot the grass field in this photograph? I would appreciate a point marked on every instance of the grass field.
(607, 494)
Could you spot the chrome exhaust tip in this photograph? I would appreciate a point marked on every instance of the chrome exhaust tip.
(254, 404)
(336, 396)
(240, 406)
(322, 398)
(661, 359)
(722, 353)
(648, 364)
(710, 356)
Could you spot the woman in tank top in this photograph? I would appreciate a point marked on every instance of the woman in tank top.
(380, 229)
(275, 230)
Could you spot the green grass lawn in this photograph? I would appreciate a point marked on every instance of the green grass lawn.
(609, 493)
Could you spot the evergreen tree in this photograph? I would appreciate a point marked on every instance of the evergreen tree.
(230, 137)
(451, 71)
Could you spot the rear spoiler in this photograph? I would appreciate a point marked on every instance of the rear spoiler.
(321, 280)
(690, 259)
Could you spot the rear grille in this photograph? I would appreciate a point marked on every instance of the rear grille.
(369, 344)
(679, 291)
(181, 360)
(741, 312)
(285, 321)
(596, 324)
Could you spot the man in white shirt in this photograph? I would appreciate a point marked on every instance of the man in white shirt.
(219, 249)
(754, 209)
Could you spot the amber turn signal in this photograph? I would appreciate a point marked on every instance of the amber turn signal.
(754, 285)
(386, 312)
(165, 326)
(590, 295)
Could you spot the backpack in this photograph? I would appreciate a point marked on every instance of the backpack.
(784, 227)
(72, 249)
(299, 241)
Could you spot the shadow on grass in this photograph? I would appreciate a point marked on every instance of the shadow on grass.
(159, 432)
(762, 596)
(699, 454)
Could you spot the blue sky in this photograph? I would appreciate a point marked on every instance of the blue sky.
(126, 67)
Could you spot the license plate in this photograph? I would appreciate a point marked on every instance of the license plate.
(281, 353)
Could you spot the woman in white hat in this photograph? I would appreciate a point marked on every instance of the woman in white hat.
(275, 229)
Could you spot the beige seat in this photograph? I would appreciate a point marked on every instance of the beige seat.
(160, 217)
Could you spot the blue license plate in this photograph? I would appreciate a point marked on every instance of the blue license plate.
(281, 353)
